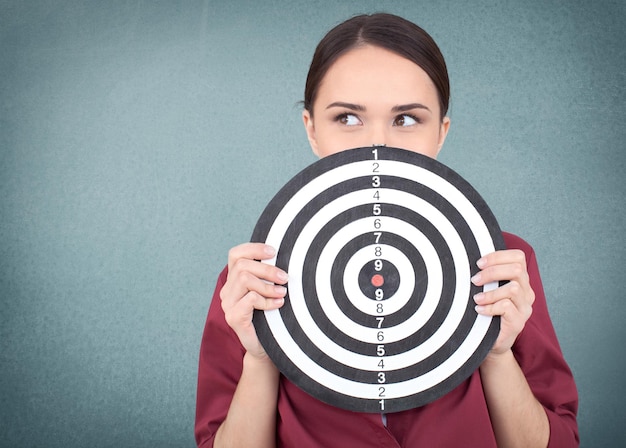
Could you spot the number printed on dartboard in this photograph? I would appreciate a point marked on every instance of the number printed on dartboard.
(378, 280)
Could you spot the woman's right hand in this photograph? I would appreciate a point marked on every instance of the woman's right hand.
(251, 285)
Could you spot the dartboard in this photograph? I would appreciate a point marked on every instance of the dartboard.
(380, 244)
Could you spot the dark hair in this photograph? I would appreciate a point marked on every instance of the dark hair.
(387, 31)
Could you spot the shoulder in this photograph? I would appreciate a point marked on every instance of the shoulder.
(221, 278)
(512, 241)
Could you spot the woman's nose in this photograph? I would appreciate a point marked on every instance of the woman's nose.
(378, 136)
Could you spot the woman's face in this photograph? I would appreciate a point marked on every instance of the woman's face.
(371, 96)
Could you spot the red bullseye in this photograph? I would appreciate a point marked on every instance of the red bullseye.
(378, 280)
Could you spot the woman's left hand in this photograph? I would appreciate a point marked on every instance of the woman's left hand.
(512, 302)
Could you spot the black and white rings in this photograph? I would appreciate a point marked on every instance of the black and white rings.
(380, 245)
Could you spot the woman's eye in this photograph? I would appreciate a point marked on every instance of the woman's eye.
(405, 120)
(348, 120)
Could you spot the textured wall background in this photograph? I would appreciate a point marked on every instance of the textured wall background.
(139, 140)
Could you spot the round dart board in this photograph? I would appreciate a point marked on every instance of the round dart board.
(380, 244)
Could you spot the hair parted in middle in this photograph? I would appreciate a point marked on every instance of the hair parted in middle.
(387, 31)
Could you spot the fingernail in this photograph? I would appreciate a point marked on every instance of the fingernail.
(479, 297)
(476, 279)
(282, 276)
(479, 309)
(279, 302)
(481, 263)
(281, 290)
(269, 250)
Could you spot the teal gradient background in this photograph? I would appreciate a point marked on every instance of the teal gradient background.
(140, 140)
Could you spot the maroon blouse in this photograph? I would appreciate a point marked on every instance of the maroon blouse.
(460, 418)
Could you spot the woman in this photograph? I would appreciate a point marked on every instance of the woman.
(381, 80)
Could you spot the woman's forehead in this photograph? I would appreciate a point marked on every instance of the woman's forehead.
(367, 72)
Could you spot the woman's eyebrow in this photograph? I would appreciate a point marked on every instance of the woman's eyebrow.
(355, 107)
(406, 107)
(395, 109)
